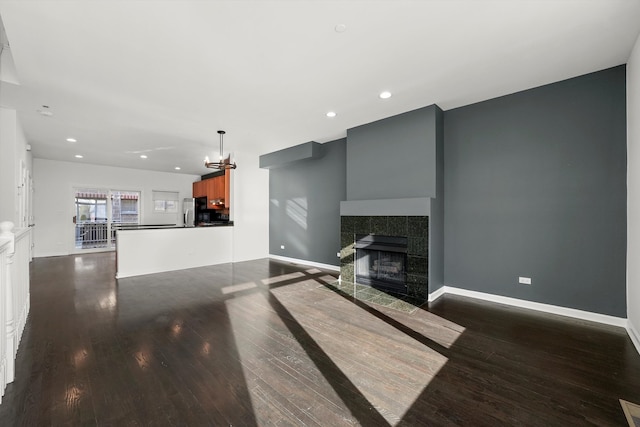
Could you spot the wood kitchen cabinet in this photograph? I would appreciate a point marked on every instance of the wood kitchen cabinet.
(200, 189)
(214, 197)
(217, 190)
(227, 188)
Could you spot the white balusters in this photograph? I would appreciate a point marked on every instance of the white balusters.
(21, 290)
(14, 296)
(5, 244)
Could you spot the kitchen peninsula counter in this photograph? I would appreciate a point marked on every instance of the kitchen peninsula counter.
(149, 249)
(165, 226)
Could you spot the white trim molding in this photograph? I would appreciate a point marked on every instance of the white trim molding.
(634, 335)
(437, 294)
(305, 262)
(547, 308)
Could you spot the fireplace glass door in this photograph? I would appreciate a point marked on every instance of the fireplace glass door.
(381, 262)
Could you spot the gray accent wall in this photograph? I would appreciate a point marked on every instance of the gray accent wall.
(304, 205)
(393, 158)
(436, 219)
(535, 186)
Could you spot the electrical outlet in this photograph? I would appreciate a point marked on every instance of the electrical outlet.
(524, 280)
(281, 246)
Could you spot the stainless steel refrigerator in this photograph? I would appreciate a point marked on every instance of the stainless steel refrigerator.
(189, 212)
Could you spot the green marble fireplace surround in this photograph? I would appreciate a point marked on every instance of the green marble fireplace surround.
(414, 228)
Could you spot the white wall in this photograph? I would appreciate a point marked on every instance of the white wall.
(250, 208)
(13, 153)
(54, 201)
(633, 193)
(7, 164)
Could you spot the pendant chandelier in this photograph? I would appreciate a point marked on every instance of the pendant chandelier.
(222, 163)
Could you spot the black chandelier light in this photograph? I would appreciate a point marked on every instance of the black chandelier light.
(222, 164)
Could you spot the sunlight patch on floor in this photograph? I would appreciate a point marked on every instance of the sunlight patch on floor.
(239, 287)
(432, 326)
(287, 372)
(365, 347)
(282, 278)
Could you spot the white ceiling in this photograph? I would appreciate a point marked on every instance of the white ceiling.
(161, 77)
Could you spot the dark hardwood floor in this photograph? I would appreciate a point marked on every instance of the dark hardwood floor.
(267, 343)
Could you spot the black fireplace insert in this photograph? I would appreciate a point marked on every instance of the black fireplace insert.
(381, 262)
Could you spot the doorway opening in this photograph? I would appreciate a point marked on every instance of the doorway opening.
(97, 214)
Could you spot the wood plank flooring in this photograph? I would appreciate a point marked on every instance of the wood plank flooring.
(265, 343)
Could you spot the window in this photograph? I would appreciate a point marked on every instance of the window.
(91, 206)
(165, 201)
(125, 207)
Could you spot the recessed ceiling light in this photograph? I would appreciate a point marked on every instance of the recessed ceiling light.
(177, 168)
(79, 156)
(143, 156)
(331, 114)
(72, 140)
(385, 95)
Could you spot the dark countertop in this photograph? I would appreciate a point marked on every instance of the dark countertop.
(122, 227)
(216, 224)
(168, 226)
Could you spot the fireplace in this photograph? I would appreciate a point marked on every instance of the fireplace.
(413, 234)
(380, 262)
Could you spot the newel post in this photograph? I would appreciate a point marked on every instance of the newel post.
(6, 233)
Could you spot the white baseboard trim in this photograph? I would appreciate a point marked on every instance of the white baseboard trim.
(634, 335)
(305, 262)
(547, 308)
(437, 294)
(50, 254)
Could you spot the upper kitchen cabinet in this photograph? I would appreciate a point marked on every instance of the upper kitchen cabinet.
(227, 188)
(215, 192)
(200, 189)
(216, 189)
